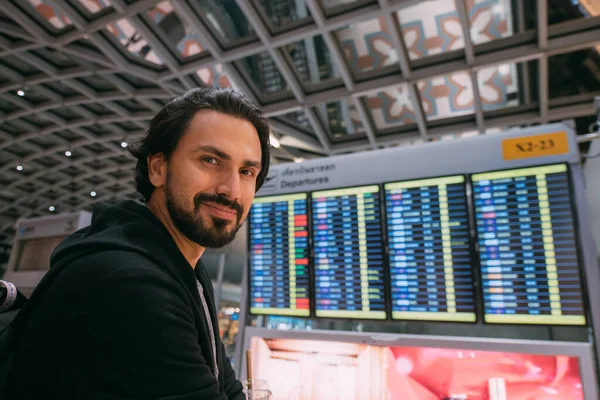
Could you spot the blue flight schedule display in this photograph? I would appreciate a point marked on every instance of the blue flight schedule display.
(429, 251)
(529, 263)
(348, 253)
(279, 276)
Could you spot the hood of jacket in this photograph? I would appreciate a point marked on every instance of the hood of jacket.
(130, 226)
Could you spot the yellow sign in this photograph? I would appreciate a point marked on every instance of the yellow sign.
(535, 146)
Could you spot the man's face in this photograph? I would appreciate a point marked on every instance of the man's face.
(211, 178)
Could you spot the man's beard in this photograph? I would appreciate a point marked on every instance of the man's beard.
(213, 234)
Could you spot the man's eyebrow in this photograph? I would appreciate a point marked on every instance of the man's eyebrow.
(225, 156)
(213, 150)
(254, 164)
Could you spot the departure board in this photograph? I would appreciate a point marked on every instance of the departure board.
(279, 256)
(348, 253)
(528, 253)
(429, 251)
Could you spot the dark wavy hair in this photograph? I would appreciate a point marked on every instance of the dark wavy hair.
(169, 125)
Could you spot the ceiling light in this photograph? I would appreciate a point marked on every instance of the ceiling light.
(51, 208)
(124, 144)
(19, 168)
(21, 93)
(298, 159)
(504, 69)
(274, 141)
(93, 194)
(68, 153)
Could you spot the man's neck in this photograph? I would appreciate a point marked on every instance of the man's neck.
(190, 250)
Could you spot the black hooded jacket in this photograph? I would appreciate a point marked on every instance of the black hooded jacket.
(124, 320)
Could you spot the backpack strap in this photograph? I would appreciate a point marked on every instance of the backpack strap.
(11, 295)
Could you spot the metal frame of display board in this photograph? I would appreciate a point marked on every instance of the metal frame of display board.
(582, 351)
(454, 157)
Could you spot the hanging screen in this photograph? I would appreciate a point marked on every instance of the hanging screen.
(528, 251)
(348, 253)
(279, 256)
(429, 251)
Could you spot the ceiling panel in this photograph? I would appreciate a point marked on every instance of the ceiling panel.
(341, 120)
(367, 46)
(50, 16)
(391, 108)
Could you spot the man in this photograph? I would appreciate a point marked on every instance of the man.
(134, 316)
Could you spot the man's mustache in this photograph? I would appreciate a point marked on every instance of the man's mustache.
(219, 199)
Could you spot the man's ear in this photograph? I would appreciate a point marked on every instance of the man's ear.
(157, 169)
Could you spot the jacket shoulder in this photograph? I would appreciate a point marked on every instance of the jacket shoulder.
(100, 269)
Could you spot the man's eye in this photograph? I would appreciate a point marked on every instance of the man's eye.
(247, 172)
(210, 160)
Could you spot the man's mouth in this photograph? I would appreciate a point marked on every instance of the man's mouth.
(221, 211)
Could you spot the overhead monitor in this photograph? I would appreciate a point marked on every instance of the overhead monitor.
(34, 243)
(429, 251)
(527, 244)
(348, 253)
(279, 256)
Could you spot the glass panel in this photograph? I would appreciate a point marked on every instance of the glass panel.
(299, 119)
(131, 105)
(367, 45)
(126, 34)
(180, 35)
(214, 76)
(343, 5)
(335, 3)
(264, 73)
(66, 113)
(561, 11)
(33, 96)
(61, 89)
(490, 19)
(226, 19)
(15, 63)
(49, 12)
(341, 119)
(391, 107)
(574, 73)
(56, 58)
(498, 86)
(447, 96)
(94, 6)
(7, 107)
(431, 27)
(283, 14)
(311, 60)
(97, 83)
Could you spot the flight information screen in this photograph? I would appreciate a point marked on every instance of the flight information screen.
(348, 253)
(529, 266)
(429, 251)
(279, 275)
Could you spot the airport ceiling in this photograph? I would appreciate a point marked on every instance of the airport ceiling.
(80, 79)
